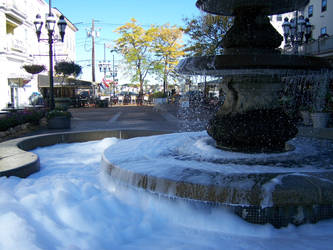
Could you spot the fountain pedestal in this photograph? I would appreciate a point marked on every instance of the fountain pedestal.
(251, 119)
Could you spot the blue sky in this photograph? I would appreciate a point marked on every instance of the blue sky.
(110, 14)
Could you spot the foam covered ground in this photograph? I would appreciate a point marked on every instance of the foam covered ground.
(71, 204)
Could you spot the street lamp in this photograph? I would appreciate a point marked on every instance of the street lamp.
(286, 29)
(301, 29)
(295, 30)
(50, 25)
(308, 30)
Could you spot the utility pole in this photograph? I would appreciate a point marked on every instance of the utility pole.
(93, 51)
(93, 34)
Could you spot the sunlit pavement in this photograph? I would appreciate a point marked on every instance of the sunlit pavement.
(147, 118)
(125, 117)
(151, 118)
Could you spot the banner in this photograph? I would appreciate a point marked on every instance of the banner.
(106, 83)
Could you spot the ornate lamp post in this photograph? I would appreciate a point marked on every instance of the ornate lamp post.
(50, 25)
(308, 30)
(286, 26)
(295, 30)
(300, 29)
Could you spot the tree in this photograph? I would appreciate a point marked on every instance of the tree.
(206, 33)
(135, 43)
(168, 50)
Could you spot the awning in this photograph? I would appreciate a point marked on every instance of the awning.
(18, 81)
(43, 82)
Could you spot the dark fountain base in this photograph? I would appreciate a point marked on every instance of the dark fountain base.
(254, 131)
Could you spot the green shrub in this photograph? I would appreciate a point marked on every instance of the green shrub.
(159, 95)
(68, 68)
(58, 112)
(21, 117)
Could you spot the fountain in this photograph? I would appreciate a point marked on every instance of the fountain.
(257, 174)
(250, 119)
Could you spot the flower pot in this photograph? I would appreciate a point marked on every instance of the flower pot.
(59, 122)
(306, 117)
(320, 120)
(34, 69)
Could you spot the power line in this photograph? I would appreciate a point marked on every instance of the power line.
(107, 24)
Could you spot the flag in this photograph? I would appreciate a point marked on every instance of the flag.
(105, 83)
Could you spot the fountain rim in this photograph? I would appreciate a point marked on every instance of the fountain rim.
(225, 188)
(216, 7)
(16, 160)
(252, 64)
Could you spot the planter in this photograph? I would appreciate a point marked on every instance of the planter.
(320, 120)
(160, 100)
(34, 69)
(59, 122)
(306, 117)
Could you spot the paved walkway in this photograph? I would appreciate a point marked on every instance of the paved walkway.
(124, 117)
(163, 118)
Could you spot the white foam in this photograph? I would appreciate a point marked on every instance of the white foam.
(71, 204)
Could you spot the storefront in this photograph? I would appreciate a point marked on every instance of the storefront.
(17, 92)
(64, 87)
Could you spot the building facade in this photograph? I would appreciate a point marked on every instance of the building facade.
(19, 47)
(320, 14)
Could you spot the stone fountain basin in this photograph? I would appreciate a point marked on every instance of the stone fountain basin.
(245, 64)
(227, 7)
(187, 165)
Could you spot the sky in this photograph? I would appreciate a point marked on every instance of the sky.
(72, 203)
(110, 14)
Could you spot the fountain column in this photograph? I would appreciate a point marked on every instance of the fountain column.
(251, 119)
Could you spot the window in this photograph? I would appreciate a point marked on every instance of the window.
(323, 31)
(310, 11)
(279, 18)
(323, 5)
